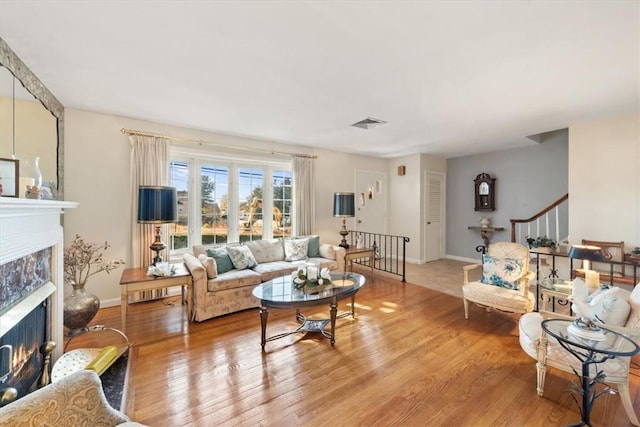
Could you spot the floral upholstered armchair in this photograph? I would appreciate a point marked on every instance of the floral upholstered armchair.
(76, 400)
(505, 280)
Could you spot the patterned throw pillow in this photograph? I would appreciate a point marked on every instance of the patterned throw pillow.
(503, 272)
(223, 262)
(295, 249)
(241, 257)
(313, 250)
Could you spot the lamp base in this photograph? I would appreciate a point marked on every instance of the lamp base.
(344, 232)
(157, 246)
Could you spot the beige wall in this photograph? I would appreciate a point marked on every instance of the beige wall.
(97, 176)
(604, 180)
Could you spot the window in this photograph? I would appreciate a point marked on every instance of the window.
(221, 201)
(250, 200)
(282, 203)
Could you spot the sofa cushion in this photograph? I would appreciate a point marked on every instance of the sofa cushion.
(221, 256)
(295, 249)
(271, 270)
(209, 265)
(266, 250)
(234, 279)
(241, 257)
(327, 251)
(503, 272)
(313, 250)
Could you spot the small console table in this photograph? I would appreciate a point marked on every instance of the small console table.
(138, 279)
(485, 234)
(352, 253)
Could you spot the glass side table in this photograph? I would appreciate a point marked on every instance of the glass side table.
(590, 352)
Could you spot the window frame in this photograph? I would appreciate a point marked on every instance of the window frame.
(195, 159)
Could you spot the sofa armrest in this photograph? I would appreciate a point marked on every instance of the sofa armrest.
(77, 399)
(340, 253)
(199, 276)
(333, 252)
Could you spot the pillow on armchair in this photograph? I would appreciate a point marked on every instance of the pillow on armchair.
(502, 272)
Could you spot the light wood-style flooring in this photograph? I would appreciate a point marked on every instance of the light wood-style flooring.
(408, 359)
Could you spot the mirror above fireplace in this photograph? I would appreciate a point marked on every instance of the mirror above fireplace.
(52, 146)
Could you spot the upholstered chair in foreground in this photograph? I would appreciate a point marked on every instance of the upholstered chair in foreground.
(76, 400)
(505, 280)
(621, 313)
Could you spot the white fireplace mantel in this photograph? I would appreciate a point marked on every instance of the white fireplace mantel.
(28, 226)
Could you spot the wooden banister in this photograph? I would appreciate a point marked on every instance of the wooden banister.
(536, 216)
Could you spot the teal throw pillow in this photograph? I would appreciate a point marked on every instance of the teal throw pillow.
(502, 272)
(313, 247)
(222, 258)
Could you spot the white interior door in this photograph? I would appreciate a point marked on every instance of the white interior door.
(434, 227)
(371, 211)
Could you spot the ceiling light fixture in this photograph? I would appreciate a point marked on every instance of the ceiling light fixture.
(368, 123)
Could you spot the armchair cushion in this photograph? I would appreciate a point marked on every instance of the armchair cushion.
(502, 272)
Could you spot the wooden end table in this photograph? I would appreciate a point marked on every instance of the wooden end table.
(352, 253)
(137, 280)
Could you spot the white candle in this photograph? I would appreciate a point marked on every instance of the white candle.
(592, 280)
(312, 272)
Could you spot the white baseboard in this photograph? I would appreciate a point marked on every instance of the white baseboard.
(459, 258)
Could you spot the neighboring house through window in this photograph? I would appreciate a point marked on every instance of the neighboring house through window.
(224, 200)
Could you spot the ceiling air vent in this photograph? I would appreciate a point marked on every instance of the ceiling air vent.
(368, 123)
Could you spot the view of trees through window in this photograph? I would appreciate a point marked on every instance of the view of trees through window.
(220, 219)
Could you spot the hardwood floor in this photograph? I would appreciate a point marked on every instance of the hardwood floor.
(408, 359)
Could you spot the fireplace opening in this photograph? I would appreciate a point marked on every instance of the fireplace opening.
(20, 358)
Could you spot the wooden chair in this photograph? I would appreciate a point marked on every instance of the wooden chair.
(612, 251)
(517, 300)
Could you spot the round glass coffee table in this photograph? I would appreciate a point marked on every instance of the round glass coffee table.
(280, 293)
(590, 352)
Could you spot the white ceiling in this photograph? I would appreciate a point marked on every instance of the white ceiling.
(450, 77)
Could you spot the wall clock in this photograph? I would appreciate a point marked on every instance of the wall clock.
(485, 192)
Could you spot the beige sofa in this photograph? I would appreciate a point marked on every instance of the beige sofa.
(76, 400)
(217, 293)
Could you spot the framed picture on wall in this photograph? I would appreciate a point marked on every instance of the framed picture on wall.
(9, 177)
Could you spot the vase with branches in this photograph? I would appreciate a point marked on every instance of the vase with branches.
(82, 260)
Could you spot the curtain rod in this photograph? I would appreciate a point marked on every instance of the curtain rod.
(198, 141)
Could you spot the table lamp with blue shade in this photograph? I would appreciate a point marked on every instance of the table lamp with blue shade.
(157, 205)
(344, 206)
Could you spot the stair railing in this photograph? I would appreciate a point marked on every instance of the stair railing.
(546, 222)
(390, 251)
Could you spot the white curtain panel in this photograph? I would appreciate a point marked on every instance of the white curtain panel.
(304, 210)
(149, 166)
